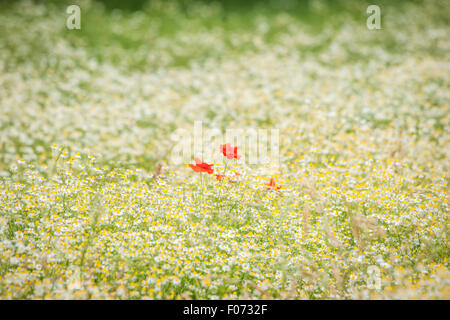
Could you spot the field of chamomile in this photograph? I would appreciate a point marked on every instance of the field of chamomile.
(352, 205)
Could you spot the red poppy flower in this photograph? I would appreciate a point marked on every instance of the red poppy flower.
(201, 166)
(219, 177)
(229, 152)
(273, 185)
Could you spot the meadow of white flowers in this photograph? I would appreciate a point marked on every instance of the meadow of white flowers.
(91, 206)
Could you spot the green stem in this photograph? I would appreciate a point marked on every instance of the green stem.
(201, 186)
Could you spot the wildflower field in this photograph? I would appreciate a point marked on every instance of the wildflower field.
(92, 207)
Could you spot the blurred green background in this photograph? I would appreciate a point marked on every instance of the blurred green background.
(179, 33)
(47, 67)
